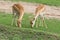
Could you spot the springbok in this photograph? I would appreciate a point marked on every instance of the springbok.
(18, 10)
(38, 12)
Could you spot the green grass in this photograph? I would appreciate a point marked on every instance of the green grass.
(9, 32)
(48, 2)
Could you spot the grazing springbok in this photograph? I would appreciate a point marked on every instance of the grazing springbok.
(18, 10)
(38, 12)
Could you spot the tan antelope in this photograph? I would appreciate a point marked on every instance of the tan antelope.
(38, 12)
(18, 10)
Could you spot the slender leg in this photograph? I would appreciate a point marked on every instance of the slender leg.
(19, 23)
(20, 19)
(13, 20)
(36, 22)
(39, 21)
(14, 16)
(16, 21)
(43, 22)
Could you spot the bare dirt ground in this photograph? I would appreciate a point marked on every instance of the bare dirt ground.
(50, 11)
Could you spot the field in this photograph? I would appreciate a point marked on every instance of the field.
(48, 2)
(12, 32)
(8, 32)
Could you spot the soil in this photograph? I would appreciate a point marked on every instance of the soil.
(50, 11)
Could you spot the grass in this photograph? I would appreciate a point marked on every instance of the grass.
(48, 2)
(8, 32)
